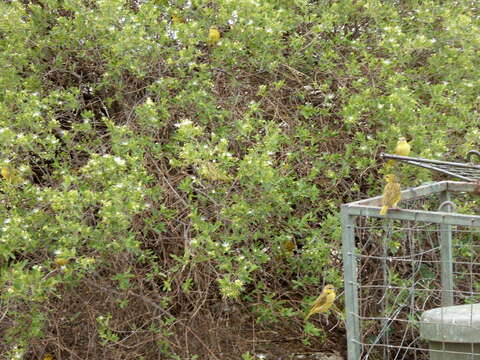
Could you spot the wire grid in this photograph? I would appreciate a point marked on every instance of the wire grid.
(399, 277)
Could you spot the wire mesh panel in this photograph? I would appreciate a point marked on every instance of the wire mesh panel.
(400, 266)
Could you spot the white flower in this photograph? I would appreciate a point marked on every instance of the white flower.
(185, 122)
(119, 160)
(234, 18)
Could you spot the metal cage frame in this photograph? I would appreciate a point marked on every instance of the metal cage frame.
(371, 208)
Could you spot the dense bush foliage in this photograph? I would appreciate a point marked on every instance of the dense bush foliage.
(172, 198)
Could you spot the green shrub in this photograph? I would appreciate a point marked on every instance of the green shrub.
(194, 189)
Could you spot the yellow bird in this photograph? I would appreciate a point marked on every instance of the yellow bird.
(11, 176)
(210, 171)
(59, 261)
(391, 194)
(177, 19)
(6, 173)
(402, 149)
(48, 357)
(289, 246)
(213, 36)
(324, 302)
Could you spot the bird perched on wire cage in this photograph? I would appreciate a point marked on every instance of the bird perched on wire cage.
(391, 194)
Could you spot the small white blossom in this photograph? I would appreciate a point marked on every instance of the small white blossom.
(234, 18)
(119, 160)
(185, 122)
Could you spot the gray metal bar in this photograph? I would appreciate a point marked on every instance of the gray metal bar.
(350, 278)
(429, 161)
(446, 254)
(439, 169)
(422, 191)
(460, 186)
(416, 215)
(408, 194)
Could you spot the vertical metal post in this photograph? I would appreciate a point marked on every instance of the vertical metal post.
(387, 237)
(446, 253)
(350, 278)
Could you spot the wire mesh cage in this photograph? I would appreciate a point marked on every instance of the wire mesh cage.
(412, 277)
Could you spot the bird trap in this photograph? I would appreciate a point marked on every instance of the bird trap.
(403, 268)
(463, 171)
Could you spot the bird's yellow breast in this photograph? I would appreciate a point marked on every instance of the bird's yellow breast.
(330, 298)
(213, 36)
(392, 194)
(5, 173)
(402, 148)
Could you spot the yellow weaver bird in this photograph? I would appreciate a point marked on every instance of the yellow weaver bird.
(211, 172)
(59, 261)
(177, 19)
(402, 149)
(6, 173)
(391, 194)
(324, 302)
(289, 246)
(213, 36)
(11, 176)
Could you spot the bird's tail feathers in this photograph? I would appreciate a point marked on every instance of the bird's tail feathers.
(384, 210)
